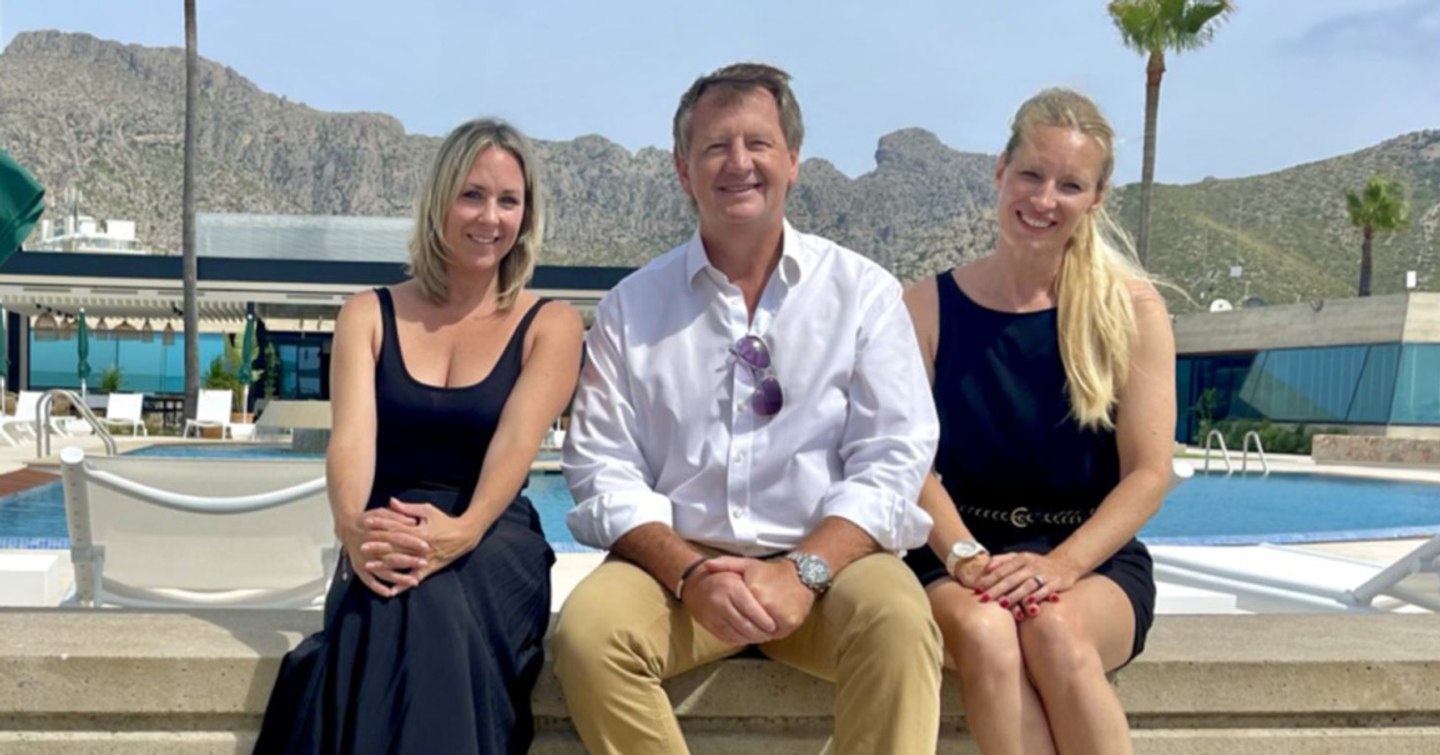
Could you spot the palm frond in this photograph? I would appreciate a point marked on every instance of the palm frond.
(1158, 25)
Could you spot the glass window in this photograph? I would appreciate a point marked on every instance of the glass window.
(147, 367)
(1222, 375)
(1417, 386)
(1371, 404)
(1305, 385)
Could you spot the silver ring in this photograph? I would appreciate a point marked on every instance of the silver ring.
(1039, 581)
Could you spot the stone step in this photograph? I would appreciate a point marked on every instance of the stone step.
(196, 682)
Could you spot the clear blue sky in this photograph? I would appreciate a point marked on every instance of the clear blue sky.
(1284, 82)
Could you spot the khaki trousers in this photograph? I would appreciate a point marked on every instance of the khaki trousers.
(620, 633)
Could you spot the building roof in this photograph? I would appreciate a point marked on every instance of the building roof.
(140, 286)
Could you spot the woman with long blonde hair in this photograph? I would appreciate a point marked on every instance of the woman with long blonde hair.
(441, 388)
(1052, 362)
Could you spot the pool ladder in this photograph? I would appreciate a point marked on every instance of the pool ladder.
(1216, 435)
(43, 427)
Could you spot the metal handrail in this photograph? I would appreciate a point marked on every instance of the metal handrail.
(1224, 452)
(1259, 450)
(42, 421)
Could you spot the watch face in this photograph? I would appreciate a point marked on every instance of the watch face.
(965, 549)
(814, 572)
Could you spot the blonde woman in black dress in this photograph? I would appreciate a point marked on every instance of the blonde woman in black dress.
(1053, 365)
(441, 389)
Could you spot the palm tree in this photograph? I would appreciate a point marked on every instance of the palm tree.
(1379, 207)
(1150, 27)
(190, 268)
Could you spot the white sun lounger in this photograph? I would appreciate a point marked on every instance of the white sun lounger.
(156, 532)
(212, 409)
(125, 410)
(20, 425)
(1272, 578)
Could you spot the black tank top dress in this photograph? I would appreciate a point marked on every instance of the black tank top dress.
(1022, 472)
(449, 666)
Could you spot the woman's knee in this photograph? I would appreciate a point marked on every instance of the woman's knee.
(981, 640)
(1056, 649)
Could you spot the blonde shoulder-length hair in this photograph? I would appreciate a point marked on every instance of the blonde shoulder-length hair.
(429, 260)
(1096, 318)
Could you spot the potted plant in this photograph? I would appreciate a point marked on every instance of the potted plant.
(111, 380)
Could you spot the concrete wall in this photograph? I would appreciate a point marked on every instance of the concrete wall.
(1422, 324)
(1331, 322)
(122, 682)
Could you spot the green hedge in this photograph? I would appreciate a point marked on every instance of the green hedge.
(1277, 439)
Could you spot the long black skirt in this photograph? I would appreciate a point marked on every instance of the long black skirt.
(447, 667)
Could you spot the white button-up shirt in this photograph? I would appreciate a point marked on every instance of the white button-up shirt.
(663, 430)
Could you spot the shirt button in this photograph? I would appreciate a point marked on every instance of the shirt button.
(736, 513)
(742, 407)
(739, 456)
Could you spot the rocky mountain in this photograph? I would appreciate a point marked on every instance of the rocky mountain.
(107, 118)
(1289, 231)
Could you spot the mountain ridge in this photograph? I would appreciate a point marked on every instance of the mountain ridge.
(108, 117)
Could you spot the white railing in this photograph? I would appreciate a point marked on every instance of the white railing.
(1224, 452)
(1259, 451)
(42, 421)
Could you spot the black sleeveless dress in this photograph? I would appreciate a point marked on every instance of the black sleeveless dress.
(1021, 470)
(447, 667)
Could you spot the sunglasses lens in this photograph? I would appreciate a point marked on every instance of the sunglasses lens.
(752, 351)
(768, 398)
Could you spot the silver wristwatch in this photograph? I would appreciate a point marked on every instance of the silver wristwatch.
(962, 550)
(813, 570)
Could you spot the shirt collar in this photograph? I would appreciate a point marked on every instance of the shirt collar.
(795, 257)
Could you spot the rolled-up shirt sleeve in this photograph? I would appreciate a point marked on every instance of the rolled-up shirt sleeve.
(891, 431)
(603, 461)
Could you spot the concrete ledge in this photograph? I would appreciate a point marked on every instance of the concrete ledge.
(130, 682)
(1375, 449)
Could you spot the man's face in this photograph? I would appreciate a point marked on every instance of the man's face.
(739, 166)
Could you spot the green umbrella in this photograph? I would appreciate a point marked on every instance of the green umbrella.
(82, 348)
(247, 361)
(20, 204)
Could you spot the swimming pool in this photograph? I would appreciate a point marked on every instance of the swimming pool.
(1293, 508)
(1213, 510)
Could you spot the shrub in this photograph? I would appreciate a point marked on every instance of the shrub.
(1274, 438)
(272, 371)
(111, 380)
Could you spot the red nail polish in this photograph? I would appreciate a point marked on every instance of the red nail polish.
(1055, 598)
(978, 591)
(984, 598)
(1004, 602)
(1034, 610)
(1029, 598)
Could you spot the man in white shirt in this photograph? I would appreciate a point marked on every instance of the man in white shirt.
(749, 438)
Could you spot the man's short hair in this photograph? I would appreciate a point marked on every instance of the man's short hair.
(736, 79)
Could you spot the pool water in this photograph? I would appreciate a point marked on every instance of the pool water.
(1293, 508)
(1280, 508)
(35, 518)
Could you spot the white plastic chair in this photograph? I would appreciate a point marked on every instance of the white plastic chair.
(147, 531)
(125, 410)
(212, 409)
